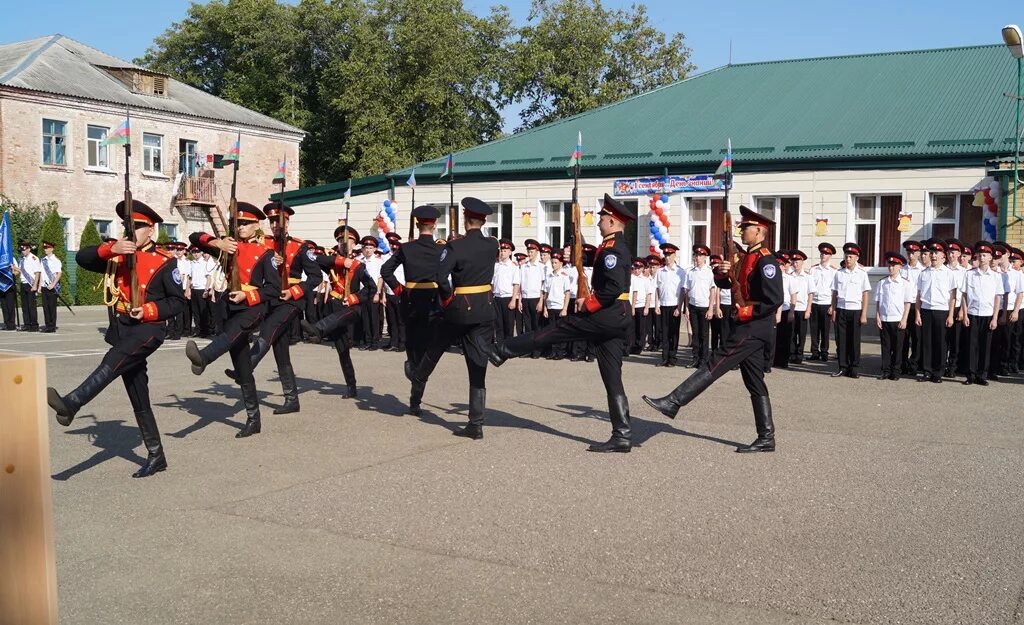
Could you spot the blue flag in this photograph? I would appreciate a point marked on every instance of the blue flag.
(6, 254)
(412, 179)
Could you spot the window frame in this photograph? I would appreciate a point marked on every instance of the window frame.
(959, 197)
(543, 224)
(110, 227)
(66, 136)
(164, 228)
(68, 225)
(100, 149)
(688, 240)
(492, 227)
(147, 152)
(852, 221)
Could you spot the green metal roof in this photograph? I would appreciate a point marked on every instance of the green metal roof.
(915, 108)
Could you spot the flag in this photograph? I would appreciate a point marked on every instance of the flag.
(232, 154)
(348, 191)
(577, 156)
(122, 135)
(448, 166)
(279, 176)
(725, 169)
(412, 179)
(6, 254)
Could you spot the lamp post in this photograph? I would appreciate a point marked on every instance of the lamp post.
(1012, 38)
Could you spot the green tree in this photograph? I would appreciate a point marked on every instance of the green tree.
(162, 238)
(26, 219)
(576, 55)
(89, 284)
(52, 230)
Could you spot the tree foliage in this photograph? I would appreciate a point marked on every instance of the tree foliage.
(88, 284)
(26, 218)
(52, 230)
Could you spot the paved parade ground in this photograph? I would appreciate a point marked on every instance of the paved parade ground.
(887, 502)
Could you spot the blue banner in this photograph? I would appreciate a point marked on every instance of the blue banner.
(6, 254)
(701, 183)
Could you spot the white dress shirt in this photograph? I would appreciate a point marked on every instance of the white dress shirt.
(787, 290)
(822, 279)
(184, 269)
(373, 266)
(531, 276)
(50, 266)
(981, 288)
(506, 276)
(800, 286)
(573, 280)
(200, 271)
(892, 296)
(911, 273)
(934, 287)
(399, 275)
(638, 290)
(959, 273)
(670, 282)
(699, 282)
(555, 286)
(1013, 283)
(29, 267)
(850, 287)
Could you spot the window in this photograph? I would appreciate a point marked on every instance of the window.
(441, 227)
(105, 228)
(785, 212)
(171, 230)
(700, 216)
(187, 163)
(551, 221)
(97, 153)
(875, 222)
(499, 223)
(66, 223)
(955, 216)
(54, 142)
(152, 153)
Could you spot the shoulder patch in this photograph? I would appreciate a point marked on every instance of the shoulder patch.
(273, 261)
(769, 270)
(310, 254)
(444, 254)
(176, 275)
(764, 251)
(610, 260)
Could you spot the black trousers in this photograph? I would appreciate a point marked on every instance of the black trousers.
(396, 324)
(420, 329)
(186, 317)
(641, 328)
(531, 318)
(29, 315)
(799, 336)
(700, 329)
(933, 341)
(49, 308)
(892, 346)
(276, 331)
(371, 323)
(1013, 343)
(669, 323)
(1000, 344)
(952, 340)
(979, 342)
(8, 301)
(912, 351)
(504, 319)
(722, 328)
(654, 332)
(821, 326)
(347, 316)
(848, 338)
(783, 340)
(235, 337)
(473, 337)
(202, 313)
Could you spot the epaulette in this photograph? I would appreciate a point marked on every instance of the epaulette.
(764, 251)
(296, 239)
(441, 242)
(163, 252)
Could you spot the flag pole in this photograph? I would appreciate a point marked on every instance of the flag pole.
(412, 220)
(453, 211)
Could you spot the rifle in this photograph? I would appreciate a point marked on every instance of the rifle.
(732, 253)
(453, 222)
(228, 260)
(282, 236)
(582, 287)
(129, 225)
(344, 251)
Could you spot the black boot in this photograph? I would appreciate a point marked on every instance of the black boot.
(618, 414)
(252, 410)
(290, 390)
(322, 328)
(521, 345)
(410, 373)
(415, 397)
(477, 404)
(765, 428)
(68, 406)
(156, 461)
(259, 348)
(348, 370)
(202, 357)
(683, 394)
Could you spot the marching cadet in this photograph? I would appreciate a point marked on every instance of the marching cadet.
(700, 286)
(420, 306)
(822, 276)
(506, 287)
(641, 306)
(982, 294)
(532, 275)
(556, 301)
(246, 307)
(468, 310)
(912, 346)
(760, 293)
(954, 247)
(849, 311)
(778, 355)
(393, 303)
(49, 286)
(936, 296)
(893, 298)
(668, 307)
(136, 332)
(29, 270)
(299, 260)
(800, 288)
(604, 319)
(352, 291)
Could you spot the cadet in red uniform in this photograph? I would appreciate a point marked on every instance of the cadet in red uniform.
(298, 258)
(757, 293)
(134, 333)
(246, 307)
(343, 311)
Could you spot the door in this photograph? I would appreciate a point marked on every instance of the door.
(187, 157)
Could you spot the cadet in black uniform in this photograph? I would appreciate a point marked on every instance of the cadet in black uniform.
(134, 333)
(468, 310)
(344, 310)
(604, 319)
(757, 293)
(298, 258)
(420, 308)
(259, 284)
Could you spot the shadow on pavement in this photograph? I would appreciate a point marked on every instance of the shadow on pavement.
(114, 440)
(208, 412)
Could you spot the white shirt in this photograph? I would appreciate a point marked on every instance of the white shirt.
(50, 266)
(506, 276)
(555, 286)
(787, 290)
(724, 297)
(934, 287)
(1013, 283)
(911, 274)
(892, 297)
(800, 285)
(399, 275)
(670, 282)
(574, 279)
(959, 273)
(850, 287)
(638, 290)
(29, 267)
(699, 282)
(372, 265)
(184, 269)
(822, 279)
(200, 271)
(531, 276)
(981, 288)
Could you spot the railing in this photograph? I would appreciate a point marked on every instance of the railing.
(197, 190)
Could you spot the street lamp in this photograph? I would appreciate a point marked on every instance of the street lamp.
(1014, 43)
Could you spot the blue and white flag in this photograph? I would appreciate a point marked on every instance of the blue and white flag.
(412, 179)
(6, 254)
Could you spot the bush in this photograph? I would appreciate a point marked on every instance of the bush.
(52, 230)
(90, 283)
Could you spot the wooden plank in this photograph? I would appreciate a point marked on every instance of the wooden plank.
(28, 568)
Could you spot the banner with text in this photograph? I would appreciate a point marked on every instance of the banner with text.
(668, 184)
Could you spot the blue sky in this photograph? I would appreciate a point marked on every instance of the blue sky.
(759, 30)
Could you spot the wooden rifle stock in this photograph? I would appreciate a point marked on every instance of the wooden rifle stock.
(231, 268)
(344, 251)
(732, 253)
(453, 222)
(582, 285)
(129, 226)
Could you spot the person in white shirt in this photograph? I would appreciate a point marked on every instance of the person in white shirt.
(982, 292)
(953, 333)
(371, 317)
(642, 300)
(849, 311)
(29, 271)
(49, 286)
(202, 270)
(506, 288)
(722, 322)
(556, 301)
(653, 327)
(1015, 329)
(182, 323)
(936, 296)
(912, 344)
(779, 349)
(700, 297)
(532, 274)
(822, 276)
(1013, 286)
(668, 305)
(800, 290)
(893, 298)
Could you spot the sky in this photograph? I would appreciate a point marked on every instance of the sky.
(757, 30)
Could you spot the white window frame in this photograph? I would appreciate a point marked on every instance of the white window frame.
(102, 151)
(775, 216)
(852, 222)
(53, 144)
(543, 224)
(441, 225)
(492, 227)
(147, 154)
(68, 224)
(930, 219)
(688, 223)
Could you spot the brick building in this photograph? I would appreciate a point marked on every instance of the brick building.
(58, 100)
